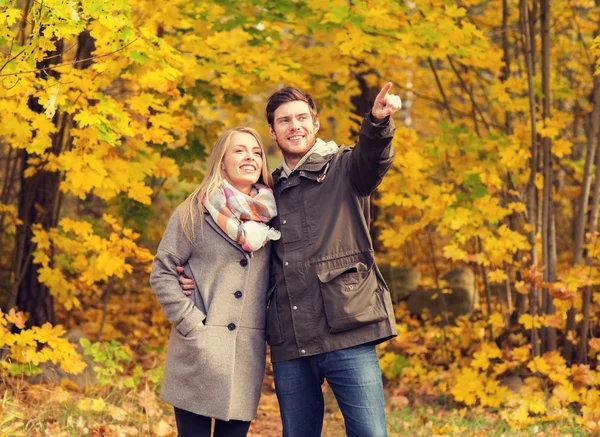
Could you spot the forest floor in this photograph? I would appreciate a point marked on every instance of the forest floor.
(417, 420)
(41, 410)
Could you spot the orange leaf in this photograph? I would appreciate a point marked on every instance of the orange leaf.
(581, 373)
(562, 293)
(18, 319)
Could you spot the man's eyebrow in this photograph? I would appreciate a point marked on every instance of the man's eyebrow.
(302, 114)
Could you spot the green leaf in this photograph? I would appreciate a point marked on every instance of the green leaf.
(138, 57)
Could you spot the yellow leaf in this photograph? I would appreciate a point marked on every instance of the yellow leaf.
(60, 395)
(521, 287)
(140, 192)
(496, 320)
(149, 402)
(497, 276)
(443, 430)
(89, 404)
(10, 16)
(528, 322)
(539, 364)
(561, 147)
(117, 413)
(162, 429)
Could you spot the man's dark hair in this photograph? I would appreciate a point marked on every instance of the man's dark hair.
(286, 95)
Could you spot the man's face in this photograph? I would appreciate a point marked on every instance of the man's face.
(293, 130)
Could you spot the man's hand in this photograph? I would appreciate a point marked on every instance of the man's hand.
(386, 104)
(187, 284)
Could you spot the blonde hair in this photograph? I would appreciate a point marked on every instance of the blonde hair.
(213, 179)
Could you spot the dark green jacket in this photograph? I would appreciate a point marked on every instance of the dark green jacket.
(326, 291)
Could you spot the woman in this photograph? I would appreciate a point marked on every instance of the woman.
(216, 354)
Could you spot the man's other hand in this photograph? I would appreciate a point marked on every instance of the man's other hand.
(187, 284)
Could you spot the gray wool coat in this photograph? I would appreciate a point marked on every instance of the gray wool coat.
(216, 352)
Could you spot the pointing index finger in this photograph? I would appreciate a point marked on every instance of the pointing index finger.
(383, 91)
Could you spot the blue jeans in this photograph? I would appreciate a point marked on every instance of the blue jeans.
(355, 379)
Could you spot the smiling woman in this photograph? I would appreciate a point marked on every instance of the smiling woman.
(243, 161)
(220, 237)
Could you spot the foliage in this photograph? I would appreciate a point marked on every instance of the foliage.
(31, 347)
(465, 366)
(123, 99)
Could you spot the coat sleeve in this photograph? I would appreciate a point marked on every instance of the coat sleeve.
(372, 156)
(174, 250)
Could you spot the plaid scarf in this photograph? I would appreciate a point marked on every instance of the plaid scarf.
(243, 218)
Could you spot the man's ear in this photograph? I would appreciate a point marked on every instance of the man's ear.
(272, 133)
(317, 125)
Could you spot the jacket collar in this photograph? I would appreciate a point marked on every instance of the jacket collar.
(314, 164)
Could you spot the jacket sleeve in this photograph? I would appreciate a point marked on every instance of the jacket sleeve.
(174, 250)
(372, 156)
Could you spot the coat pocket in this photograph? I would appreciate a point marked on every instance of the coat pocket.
(349, 292)
(274, 332)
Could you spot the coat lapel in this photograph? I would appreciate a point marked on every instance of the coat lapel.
(208, 219)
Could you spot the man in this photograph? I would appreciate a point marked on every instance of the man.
(328, 305)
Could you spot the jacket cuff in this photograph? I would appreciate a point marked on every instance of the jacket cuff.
(190, 322)
(378, 121)
(384, 128)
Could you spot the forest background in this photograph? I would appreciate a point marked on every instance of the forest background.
(108, 110)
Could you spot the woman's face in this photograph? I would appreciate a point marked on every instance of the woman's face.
(243, 161)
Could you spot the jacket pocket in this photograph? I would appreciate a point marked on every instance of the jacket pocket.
(349, 294)
(274, 332)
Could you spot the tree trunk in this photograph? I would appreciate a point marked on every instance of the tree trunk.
(36, 205)
(587, 292)
(593, 140)
(39, 202)
(548, 228)
(506, 59)
(592, 145)
(531, 190)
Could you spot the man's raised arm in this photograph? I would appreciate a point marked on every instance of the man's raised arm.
(373, 154)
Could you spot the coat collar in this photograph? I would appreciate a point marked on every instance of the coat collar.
(208, 219)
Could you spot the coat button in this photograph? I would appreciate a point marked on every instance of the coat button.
(286, 263)
(302, 351)
(231, 326)
(238, 294)
(244, 262)
(284, 221)
(294, 307)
